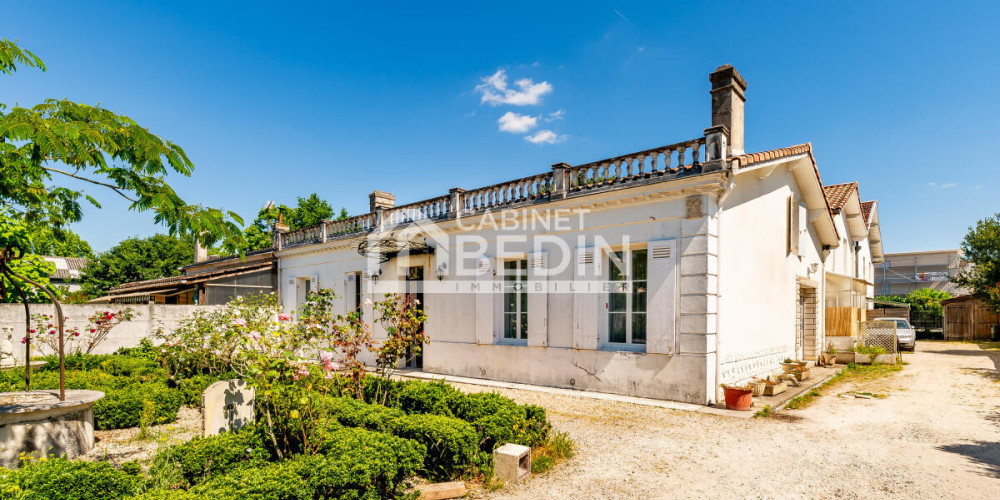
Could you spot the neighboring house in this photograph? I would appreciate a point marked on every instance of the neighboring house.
(660, 273)
(209, 282)
(904, 272)
(67, 273)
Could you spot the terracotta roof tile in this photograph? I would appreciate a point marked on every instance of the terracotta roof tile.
(751, 158)
(838, 194)
(866, 210)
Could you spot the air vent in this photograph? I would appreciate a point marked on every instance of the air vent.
(484, 265)
(586, 257)
(537, 261)
(661, 252)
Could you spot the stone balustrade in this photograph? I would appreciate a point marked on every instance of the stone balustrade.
(527, 189)
(635, 166)
(564, 180)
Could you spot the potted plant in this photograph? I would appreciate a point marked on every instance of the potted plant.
(801, 373)
(830, 356)
(758, 386)
(738, 397)
(774, 387)
(788, 365)
(872, 354)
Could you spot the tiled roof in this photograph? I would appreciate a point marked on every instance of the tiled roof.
(190, 279)
(774, 154)
(838, 194)
(67, 268)
(866, 210)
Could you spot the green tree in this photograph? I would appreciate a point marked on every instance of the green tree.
(927, 300)
(60, 242)
(310, 211)
(14, 238)
(981, 248)
(136, 259)
(46, 146)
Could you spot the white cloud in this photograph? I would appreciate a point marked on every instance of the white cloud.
(948, 185)
(496, 91)
(517, 124)
(932, 184)
(556, 115)
(544, 137)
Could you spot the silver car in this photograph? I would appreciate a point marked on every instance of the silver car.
(906, 336)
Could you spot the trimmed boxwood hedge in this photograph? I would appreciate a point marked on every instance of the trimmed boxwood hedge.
(355, 464)
(63, 479)
(451, 444)
(497, 419)
(122, 408)
(200, 459)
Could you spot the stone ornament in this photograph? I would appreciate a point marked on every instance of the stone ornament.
(227, 406)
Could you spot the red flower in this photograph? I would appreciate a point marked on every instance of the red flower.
(92, 330)
(76, 334)
(32, 330)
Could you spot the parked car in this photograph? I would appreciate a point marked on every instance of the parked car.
(906, 336)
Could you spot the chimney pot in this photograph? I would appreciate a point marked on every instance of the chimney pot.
(728, 99)
(380, 199)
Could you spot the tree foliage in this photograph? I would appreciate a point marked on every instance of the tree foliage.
(44, 146)
(58, 241)
(136, 259)
(309, 211)
(14, 238)
(981, 248)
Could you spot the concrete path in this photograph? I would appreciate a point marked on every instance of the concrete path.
(936, 435)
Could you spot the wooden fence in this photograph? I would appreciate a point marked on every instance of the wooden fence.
(968, 319)
(844, 321)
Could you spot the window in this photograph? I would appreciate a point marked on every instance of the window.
(627, 297)
(515, 299)
(793, 225)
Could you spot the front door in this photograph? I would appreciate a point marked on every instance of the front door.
(415, 291)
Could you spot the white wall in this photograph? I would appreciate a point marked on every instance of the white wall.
(147, 319)
(758, 277)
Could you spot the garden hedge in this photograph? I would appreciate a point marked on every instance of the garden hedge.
(122, 408)
(451, 444)
(200, 459)
(63, 479)
(355, 464)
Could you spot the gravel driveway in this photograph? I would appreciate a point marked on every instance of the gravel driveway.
(936, 435)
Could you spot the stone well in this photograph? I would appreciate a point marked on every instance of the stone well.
(37, 422)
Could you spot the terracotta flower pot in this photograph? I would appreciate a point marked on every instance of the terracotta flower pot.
(738, 399)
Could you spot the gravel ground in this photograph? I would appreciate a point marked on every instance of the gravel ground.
(122, 445)
(936, 435)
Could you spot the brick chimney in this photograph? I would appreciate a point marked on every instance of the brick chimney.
(727, 105)
(380, 199)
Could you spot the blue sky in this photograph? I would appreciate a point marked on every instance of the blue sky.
(278, 100)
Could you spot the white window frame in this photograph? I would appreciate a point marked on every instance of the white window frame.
(522, 270)
(628, 345)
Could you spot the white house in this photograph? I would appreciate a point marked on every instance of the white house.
(661, 273)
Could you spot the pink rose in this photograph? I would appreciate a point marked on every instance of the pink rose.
(255, 335)
(240, 322)
(284, 317)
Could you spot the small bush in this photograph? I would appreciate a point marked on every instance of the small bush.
(145, 350)
(63, 479)
(122, 408)
(200, 459)
(451, 444)
(194, 387)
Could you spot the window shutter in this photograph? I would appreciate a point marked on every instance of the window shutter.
(290, 299)
(587, 304)
(350, 284)
(484, 302)
(538, 300)
(793, 225)
(661, 296)
(314, 282)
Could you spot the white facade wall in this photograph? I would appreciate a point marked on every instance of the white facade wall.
(758, 278)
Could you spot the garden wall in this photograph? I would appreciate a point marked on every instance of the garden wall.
(147, 319)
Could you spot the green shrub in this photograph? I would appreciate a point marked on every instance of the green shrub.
(195, 386)
(355, 464)
(122, 408)
(145, 350)
(451, 444)
(435, 398)
(63, 479)
(200, 459)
